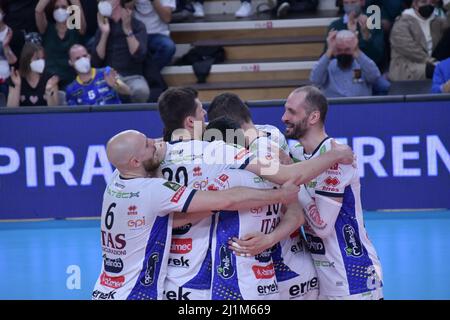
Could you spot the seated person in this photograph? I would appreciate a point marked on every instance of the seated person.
(441, 77)
(31, 86)
(351, 74)
(92, 86)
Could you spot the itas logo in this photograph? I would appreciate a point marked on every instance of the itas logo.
(181, 230)
(178, 195)
(224, 178)
(313, 215)
(114, 242)
(149, 274)
(172, 295)
(264, 256)
(353, 245)
(315, 244)
(98, 295)
(226, 268)
(241, 154)
(181, 246)
(264, 290)
(132, 210)
(112, 265)
(332, 181)
(111, 282)
(179, 263)
(303, 288)
(264, 272)
(136, 223)
(197, 171)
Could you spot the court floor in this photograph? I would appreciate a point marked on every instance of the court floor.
(61, 259)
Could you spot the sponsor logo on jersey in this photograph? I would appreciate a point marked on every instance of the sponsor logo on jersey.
(297, 247)
(181, 230)
(241, 154)
(212, 187)
(200, 185)
(373, 280)
(324, 264)
(335, 167)
(176, 152)
(98, 295)
(172, 185)
(264, 272)
(264, 256)
(332, 181)
(323, 149)
(135, 224)
(268, 289)
(118, 185)
(226, 268)
(112, 282)
(179, 263)
(113, 241)
(315, 244)
(149, 274)
(224, 178)
(303, 288)
(112, 265)
(256, 212)
(176, 197)
(122, 195)
(181, 246)
(313, 215)
(180, 295)
(258, 180)
(312, 184)
(197, 171)
(132, 210)
(353, 244)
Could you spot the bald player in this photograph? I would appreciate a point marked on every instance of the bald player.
(136, 219)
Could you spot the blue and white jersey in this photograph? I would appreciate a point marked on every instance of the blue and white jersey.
(194, 163)
(97, 92)
(236, 277)
(135, 235)
(345, 259)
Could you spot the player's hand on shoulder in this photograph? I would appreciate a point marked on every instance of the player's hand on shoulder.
(344, 152)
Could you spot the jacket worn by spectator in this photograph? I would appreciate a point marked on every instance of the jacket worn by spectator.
(409, 48)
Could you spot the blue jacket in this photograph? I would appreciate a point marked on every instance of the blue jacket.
(441, 76)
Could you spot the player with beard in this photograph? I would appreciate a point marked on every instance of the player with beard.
(136, 219)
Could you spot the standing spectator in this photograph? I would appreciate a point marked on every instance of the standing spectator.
(245, 10)
(7, 56)
(57, 37)
(156, 16)
(441, 77)
(31, 86)
(371, 42)
(92, 86)
(414, 36)
(283, 7)
(121, 43)
(351, 74)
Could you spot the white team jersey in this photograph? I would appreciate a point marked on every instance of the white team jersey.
(193, 163)
(296, 275)
(135, 236)
(346, 261)
(235, 277)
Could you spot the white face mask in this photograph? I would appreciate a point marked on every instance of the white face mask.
(4, 70)
(38, 66)
(83, 65)
(105, 8)
(60, 15)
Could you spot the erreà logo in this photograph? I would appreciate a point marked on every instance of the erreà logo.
(149, 275)
(226, 268)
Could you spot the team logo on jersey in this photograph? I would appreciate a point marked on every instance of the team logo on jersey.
(112, 265)
(353, 244)
(315, 244)
(226, 268)
(181, 246)
(182, 230)
(197, 171)
(111, 282)
(313, 215)
(149, 274)
(264, 256)
(132, 210)
(176, 197)
(264, 272)
(332, 181)
(172, 185)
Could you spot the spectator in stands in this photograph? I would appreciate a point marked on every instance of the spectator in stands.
(245, 10)
(156, 16)
(414, 36)
(351, 74)
(93, 86)
(371, 41)
(7, 56)
(441, 77)
(121, 43)
(284, 7)
(31, 86)
(59, 36)
(90, 14)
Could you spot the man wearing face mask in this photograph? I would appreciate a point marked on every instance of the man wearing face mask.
(351, 74)
(371, 42)
(92, 86)
(121, 42)
(415, 35)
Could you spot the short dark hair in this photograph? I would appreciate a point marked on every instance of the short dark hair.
(175, 105)
(229, 105)
(222, 124)
(315, 100)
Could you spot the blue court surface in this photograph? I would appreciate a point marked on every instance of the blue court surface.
(61, 259)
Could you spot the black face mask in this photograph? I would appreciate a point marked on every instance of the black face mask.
(344, 61)
(426, 11)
